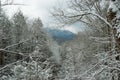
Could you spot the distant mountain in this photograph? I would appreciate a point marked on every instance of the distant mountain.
(61, 35)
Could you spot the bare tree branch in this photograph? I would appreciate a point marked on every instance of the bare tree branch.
(11, 4)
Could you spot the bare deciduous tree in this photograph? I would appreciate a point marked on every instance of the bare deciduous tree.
(102, 17)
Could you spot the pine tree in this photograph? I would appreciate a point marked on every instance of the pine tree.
(5, 32)
(20, 33)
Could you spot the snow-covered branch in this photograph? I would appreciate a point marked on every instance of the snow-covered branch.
(17, 43)
(8, 65)
(11, 52)
(79, 76)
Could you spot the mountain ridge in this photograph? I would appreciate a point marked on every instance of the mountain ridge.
(60, 35)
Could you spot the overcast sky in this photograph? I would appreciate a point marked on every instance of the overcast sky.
(33, 8)
(37, 8)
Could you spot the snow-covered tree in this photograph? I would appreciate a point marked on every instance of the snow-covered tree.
(20, 32)
(39, 63)
(5, 34)
(102, 17)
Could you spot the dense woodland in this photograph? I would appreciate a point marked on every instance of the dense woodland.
(28, 51)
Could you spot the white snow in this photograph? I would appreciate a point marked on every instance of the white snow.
(113, 6)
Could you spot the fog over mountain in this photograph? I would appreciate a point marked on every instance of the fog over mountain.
(61, 35)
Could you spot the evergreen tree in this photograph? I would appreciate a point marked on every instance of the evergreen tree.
(20, 33)
(5, 32)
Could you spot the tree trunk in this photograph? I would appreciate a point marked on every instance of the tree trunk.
(1, 58)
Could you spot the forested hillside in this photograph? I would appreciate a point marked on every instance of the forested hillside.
(61, 36)
(30, 50)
